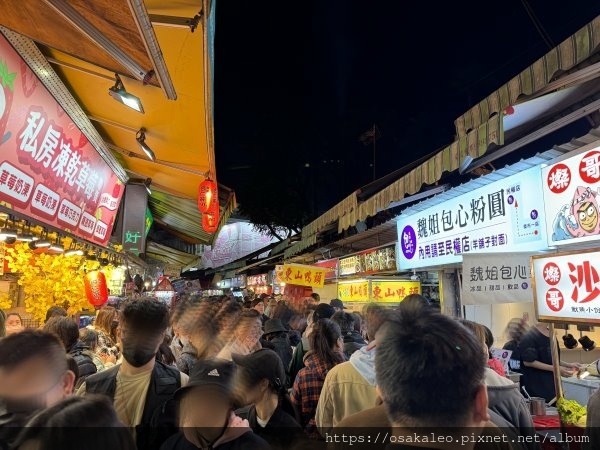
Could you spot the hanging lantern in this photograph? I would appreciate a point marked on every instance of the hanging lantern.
(208, 196)
(210, 220)
(96, 289)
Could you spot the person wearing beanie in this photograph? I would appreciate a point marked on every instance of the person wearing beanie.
(206, 416)
(260, 384)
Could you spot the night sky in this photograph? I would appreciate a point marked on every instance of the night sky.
(297, 83)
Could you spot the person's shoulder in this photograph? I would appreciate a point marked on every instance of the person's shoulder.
(281, 419)
(244, 412)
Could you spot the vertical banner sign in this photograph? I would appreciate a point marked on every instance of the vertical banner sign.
(567, 287)
(134, 219)
(497, 278)
(48, 169)
(504, 215)
(571, 199)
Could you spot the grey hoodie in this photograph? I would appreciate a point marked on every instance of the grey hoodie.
(363, 361)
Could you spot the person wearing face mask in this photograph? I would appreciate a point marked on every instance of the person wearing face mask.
(207, 420)
(33, 375)
(141, 387)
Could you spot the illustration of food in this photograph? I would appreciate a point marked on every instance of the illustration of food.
(116, 189)
(6, 95)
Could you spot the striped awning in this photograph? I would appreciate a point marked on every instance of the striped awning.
(571, 52)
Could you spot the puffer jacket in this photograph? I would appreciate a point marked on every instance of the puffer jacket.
(85, 364)
(505, 399)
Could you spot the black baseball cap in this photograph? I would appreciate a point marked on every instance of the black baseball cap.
(323, 311)
(263, 363)
(216, 373)
(274, 326)
(337, 303)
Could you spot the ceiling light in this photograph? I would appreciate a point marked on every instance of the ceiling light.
(119, 93)
(74, 252)
(140, 137)
(58, 248)
(42, 243)
(7, 233)
(26, 237)
(147, 183)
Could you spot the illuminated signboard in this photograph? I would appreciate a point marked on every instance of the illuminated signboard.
(369, 262)
(503, 216)
(48, 169)
(567, 287)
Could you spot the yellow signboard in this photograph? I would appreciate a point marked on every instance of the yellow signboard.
(354, 292)
(302, 275)
(393, 291)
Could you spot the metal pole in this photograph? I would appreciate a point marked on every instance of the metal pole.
(555, 361)
(374, 141)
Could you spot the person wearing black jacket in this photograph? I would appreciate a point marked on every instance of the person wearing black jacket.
(353, 340)
(207, 420)
(277, 336)
(260, 383)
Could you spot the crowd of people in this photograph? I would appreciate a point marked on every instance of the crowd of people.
(215, 373)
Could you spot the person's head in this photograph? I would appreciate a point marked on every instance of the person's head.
(337, 304)
(315, 298)
(259, 375)
(14, 323)
(345, 322)
(274, 328)
(55, 311)
(327, 342)
(430, 371)
(322, 311)
(207, 400)
(375, 316)
(478, 331)
(65, 425)
(65, 329)
(105, 318)
(142, 328)
(249, 328)
(259, 305)
(358, 322)
(489, 338)
(516, 329)
(89, 338)
(415, 299)
(198, 326)
(33, 373)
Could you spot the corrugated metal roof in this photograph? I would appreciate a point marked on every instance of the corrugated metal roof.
(484, 180)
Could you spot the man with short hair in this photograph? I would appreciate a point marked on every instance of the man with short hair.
(141, 388)
(350, 386)
(315, 298)
(33, 376)
(337, 304)
(430, 377)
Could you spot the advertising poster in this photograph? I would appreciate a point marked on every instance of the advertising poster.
(502, 216)
(48, 169)
(571, 199)
(567, 287)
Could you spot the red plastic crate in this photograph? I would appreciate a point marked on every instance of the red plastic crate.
(546, 422)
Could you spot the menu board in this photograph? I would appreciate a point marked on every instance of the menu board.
(370, 261)
(49, 171)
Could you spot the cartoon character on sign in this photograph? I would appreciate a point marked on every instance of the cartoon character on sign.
(579, 218)
(7, 92)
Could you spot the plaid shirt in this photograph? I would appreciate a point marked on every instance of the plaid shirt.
(307, 389)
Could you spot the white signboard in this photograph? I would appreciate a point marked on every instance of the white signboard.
(503, 216)
(571, 198)
(496, 278)
(567, 287)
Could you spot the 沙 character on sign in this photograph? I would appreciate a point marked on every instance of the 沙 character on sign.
(585, 281)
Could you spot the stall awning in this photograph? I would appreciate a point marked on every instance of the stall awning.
(160, 59)
(571, 52)
(170, 255)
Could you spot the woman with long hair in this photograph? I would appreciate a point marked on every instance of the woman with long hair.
(260, 384)
(327, 350)
(105, 325)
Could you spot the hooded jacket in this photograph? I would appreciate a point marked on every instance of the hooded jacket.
(505, 400)
(236, 436)
(353, 341)
(281, 432)
(85, 364)
(349, 388)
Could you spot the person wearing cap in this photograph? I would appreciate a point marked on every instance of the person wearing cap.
(337, 304)
(322, 311)
(260, 384)
(277, 337)
(206, 417)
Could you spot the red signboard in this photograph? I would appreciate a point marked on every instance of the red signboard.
(48, 169)
(331, 264)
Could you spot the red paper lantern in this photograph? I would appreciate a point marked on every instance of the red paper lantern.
(96, 289)
(208, 196)
(210, 221)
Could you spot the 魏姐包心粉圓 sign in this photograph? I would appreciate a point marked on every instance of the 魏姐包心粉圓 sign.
(572, 198)
(502, 216)
(48, 169)
(567, 286)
